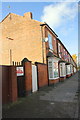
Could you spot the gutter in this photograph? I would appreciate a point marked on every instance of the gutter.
(49, 28)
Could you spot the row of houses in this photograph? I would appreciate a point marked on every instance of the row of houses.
(24, 37)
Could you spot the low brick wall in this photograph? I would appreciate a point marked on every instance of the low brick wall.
(62, 78)
(53, 81)
(42, 75)
(9, 84)
(68, 75)
(28, 77)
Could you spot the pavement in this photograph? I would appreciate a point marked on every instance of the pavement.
(55, 101)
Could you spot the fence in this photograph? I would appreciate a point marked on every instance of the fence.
(42, 74)
(13, 86)
(9, 84)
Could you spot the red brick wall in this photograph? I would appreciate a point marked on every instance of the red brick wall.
(68, 75)
(62, 78)
(42, 75)
(54, 42)
(9, 84)
(53, 81)
(13, 83)
(5, 84)
(28, 76)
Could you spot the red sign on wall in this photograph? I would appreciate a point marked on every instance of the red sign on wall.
(19, 71)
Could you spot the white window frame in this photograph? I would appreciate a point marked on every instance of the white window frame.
(68, 69)
(63, 74)
(74, 69)
(49, 69)
(59, 49)
(71, 68)
(52, 60)
(50, 41)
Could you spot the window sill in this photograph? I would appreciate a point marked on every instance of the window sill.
(62, 75)
(53, 78)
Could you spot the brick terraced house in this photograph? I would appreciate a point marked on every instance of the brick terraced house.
(23, 37)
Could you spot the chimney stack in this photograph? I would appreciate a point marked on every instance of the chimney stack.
(28, 15)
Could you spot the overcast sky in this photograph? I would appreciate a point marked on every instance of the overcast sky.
(62, 17)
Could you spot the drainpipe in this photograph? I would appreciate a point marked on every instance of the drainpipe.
(42, 43)
(43, 52)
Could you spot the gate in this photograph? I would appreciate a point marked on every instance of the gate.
(34, 78)
(20, 81)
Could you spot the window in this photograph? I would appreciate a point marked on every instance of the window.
(74, 69)
(71, 69)
(50, 41)
(53, 69)
(59, 48)
(55, 64)
(62, 69)
(50, 69)
(64, 53)
(68, 69)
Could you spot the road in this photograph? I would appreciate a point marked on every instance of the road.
(58, 101)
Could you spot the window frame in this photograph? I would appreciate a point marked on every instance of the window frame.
(52, 60)
(68, 69)
(63, 70)
(50, 41)
(59, 49)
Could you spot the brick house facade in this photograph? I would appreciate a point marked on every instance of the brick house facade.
(24, 37)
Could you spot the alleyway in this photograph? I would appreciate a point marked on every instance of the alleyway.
(59, 101)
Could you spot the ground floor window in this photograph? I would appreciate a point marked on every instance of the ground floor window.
(53, 69)
(68, 70)
(74, 69)
(71, 69)
(55, 65)
(50, 69)
(62, 69)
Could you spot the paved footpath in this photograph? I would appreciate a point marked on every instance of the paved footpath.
(59, 101)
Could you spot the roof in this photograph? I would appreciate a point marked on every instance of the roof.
(66, 49)
(21, 16)
(49, 28)
(50, 54)
(10, 14)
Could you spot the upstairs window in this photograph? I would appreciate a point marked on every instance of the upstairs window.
(50, 41)
(59, 49)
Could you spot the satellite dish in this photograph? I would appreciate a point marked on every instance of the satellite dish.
(46, 39)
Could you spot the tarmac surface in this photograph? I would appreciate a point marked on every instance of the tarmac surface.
(55, 101)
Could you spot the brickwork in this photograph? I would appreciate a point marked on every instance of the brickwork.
(62, 78)
(9, 84)
(53, 81)
(21, 38)
(13, 83)
(68, 75)
(54, 44)
(42, 75)
(28, 76)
